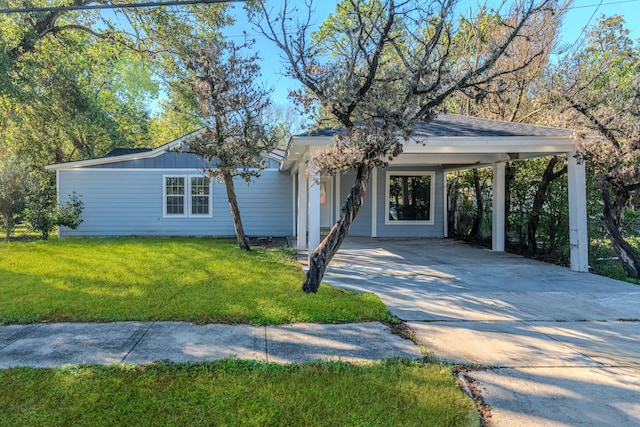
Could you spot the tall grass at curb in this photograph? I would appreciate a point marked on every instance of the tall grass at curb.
(202, 280)
(236, 393)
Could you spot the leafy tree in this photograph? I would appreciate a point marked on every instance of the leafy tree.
(601, 85)
(232, 106)
(377, 67)
(43, 213)
(14, 188)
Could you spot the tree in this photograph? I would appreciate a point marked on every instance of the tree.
(377, 67)
(601, 85)
(14, 187)
(232, 105)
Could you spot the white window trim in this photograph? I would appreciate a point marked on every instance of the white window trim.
(186, 196)
(387, 198)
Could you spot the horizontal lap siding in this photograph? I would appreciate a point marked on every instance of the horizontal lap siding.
(130, 202)
(362, 224)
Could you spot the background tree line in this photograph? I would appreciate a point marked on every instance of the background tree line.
(74, 85)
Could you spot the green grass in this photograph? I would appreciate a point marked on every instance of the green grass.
(234, 393)
(603, 259)
(190, 279)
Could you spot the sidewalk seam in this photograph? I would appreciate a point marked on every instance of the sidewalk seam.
(137, 342)
(266, 344)
(20, 335)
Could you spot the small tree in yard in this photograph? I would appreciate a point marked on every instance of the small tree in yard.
(376, 67)
(43, 214)
(232, 106)
(14, 187)
(601, 85)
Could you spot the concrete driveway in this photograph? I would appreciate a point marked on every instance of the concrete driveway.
(559, 348)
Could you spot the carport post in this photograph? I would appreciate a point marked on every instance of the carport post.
(302, 206)
(314, 209)
(578, 236)
(497, 223)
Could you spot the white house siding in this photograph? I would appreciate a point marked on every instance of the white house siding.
(130, 202)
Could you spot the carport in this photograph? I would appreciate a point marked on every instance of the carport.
(450, 142)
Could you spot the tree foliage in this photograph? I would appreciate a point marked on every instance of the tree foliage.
(601, 85)
(14, 188)
(376, 67)
(232, 105)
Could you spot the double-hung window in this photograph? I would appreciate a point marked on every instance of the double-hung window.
(187, 195)
(409, 198)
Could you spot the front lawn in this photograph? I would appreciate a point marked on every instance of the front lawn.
(233, 393)
(202, 280)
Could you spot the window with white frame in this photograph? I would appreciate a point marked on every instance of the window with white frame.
(187, 195)
(409, 198)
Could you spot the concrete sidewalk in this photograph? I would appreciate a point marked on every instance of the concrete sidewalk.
(57, 344)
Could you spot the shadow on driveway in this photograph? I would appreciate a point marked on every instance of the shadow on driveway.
(562, 347)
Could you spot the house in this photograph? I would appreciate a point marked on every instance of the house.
(164, 192)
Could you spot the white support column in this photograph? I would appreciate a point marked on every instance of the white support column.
(445, 220)
(294, 204)
(336, 190)
(578, 235)
(302, 206)
(498, 226)
(314, 210)
(374, 202)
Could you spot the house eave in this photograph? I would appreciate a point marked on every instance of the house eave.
(125, 157)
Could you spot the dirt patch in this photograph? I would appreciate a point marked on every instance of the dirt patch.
(269, 242)
(473, 390)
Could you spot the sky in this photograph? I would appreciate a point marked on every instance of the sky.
(582, 13)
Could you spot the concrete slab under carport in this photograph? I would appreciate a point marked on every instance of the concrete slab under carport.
(561, 347)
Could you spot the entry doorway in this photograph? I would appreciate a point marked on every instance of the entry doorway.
(326, 202)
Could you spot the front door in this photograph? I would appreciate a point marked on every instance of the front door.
(326, 203)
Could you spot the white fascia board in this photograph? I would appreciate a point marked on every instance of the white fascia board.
(298, 147)
(134, 156)
(509, 144)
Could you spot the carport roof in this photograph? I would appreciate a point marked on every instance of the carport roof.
(452, 125)
(454, 140)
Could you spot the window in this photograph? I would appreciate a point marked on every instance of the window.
(187, 196)
(200, 195)
(409, 198)
(174, 195)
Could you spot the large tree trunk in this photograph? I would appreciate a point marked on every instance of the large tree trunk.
(629, 257)
(509, 178)
(477, 221)
(452, 205)
(324, 253)
(538, 201)
(243, 242)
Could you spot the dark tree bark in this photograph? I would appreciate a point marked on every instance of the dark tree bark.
(477, 220)
(547, 177)
(243, 242)
(324, 253)
(452, 207)
(610, 219)
(509, 178)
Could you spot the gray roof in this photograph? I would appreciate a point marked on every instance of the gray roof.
(452, 125)
(125, 151)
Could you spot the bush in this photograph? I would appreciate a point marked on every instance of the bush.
(43, 216)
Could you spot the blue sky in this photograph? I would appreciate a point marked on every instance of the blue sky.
(581, 14)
